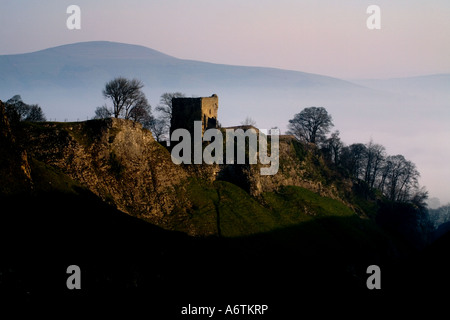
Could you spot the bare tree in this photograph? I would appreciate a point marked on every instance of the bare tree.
(125, 94)
(141, 112)
(158, 128)
(419, 198)
(17, 110)
(399, 178)
(35, 114)
(248, 122)
(352, 159)
(165, 105)
(333, 146)
(102, 112)
(311, 124)
(374, 157)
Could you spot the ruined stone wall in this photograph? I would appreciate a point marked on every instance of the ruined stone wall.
(187, 110)
(210, 106)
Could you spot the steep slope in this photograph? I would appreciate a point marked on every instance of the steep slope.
(116, 159)
(122, 164)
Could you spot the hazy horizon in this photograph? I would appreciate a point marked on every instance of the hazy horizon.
(353, 80)
(322, 37)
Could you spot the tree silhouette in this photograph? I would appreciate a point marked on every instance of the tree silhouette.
(17, 110)
(125, 95)
(248, 122)
(165, 109)
(311, 124)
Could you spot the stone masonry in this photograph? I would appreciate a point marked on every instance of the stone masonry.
(187, 110)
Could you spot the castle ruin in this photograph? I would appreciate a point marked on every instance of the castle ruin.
(187, 110)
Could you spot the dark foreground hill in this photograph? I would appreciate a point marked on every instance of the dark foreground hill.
(286, 245)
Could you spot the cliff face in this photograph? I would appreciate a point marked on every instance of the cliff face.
(299, 165)
(116, 159)
(122, 164)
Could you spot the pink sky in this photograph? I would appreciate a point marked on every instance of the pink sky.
(326, 37)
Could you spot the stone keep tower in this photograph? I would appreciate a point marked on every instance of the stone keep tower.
(187, 110)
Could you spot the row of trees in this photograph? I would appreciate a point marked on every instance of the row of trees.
(393, 175)
(129, 102)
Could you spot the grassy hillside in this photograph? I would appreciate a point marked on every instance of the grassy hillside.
(226, 207)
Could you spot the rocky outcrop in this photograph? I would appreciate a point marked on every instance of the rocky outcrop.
(15, 172)
(121, 163)
(299, 165)
(117, 160)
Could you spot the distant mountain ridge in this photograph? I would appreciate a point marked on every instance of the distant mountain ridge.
(76, 73)
(106, 49)
(98, 54)
(79, 71)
